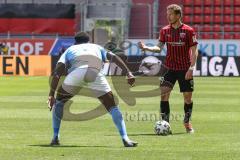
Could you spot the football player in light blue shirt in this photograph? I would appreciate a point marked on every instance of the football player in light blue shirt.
(83, 62)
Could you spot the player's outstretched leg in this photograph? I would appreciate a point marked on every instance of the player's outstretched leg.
(187, 117)
(120, 124)
(165, 110)
(164, 104)
(188, 106)
(57, 113)
(108, 101)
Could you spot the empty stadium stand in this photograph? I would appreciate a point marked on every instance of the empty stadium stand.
(216, 19)
(212, 19)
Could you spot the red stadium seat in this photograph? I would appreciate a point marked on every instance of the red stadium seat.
(197, 10)
(236, 19)
(206, 36)
(207, 3)
(236, 10)
(207, 28)
(187, 10)
(207, 10)
(227, 10)
(207, 19)
(217, 19)
(227, 28)
(236, 28)
(236, 2)
(236, 35)
(217, 28)
(196, 27)
(228, 36)
(187, 2)
(217, 10)
(197, 19)
(217, 2)
(197, 2)
(227, 2)
(227, 19)
(187, 19)
(217, 35)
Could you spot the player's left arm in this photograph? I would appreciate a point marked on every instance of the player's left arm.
(116, 59)
(193, 58)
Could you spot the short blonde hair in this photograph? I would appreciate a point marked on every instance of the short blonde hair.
(176, 8)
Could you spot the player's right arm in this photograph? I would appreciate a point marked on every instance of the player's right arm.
(158, 48)
(55, 77)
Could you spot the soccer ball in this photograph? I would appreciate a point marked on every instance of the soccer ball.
(162, 128)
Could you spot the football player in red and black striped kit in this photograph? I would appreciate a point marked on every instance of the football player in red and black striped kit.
(180, 60)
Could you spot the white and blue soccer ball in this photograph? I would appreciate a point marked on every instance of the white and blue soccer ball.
(162, 128)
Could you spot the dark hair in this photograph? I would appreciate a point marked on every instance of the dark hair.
(81, 37)
(176, 8)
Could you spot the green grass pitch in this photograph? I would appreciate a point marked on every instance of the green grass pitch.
(25, 125)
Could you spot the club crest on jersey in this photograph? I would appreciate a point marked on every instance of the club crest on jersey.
(182, 35)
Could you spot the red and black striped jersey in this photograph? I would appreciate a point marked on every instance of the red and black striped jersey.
(178, 43)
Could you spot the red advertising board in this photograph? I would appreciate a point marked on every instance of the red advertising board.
(28, 46)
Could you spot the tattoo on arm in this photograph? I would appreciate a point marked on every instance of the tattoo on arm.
(160, 45)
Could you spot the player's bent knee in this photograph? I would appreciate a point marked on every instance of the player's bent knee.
(108, 100)
(165, 97)
(187, 100)
(62, 95)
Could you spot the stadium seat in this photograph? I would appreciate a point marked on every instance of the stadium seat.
(187, 10)
(227, 28)
(207, 3)
(207, 10)
(236, 2)
(227, 10)
(196, 27)
(217, 19)
(236, 28)
(197, 10)
(217, 28)
(217, 35)
(197, 19)
(217, 10)
(206, 28)
(228, 36)
(206, 36)
(187, 19)
(207, 19)
(187, 2)
(197, 2)
(236, 19)
(227, 19)
(227, 2)
(236, 10)
(236, 35)
(217, 2)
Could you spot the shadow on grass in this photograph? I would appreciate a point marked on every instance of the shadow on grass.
(179, 133)
(149, 134)
(68, 146)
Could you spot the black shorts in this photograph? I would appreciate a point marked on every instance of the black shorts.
(170, 78)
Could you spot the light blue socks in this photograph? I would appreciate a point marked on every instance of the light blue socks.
(119, 122)
(57, 114)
